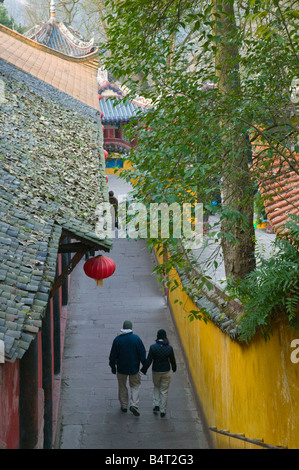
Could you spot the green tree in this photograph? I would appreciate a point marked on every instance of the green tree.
(218, 74)
(8, 22)
(237, 184)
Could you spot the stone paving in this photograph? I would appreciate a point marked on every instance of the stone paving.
(205, 256)
(90, 416)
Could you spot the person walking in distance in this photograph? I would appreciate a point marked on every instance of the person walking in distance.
(161, 355)
(114, 204)
(127, 352)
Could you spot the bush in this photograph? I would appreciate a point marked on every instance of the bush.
(272, 289)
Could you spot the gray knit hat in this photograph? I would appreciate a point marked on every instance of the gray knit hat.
(127, 325)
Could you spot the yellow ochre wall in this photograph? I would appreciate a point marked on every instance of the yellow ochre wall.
(251, 389)
(115, 171)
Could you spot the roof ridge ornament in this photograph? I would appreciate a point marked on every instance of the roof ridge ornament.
(52, 8)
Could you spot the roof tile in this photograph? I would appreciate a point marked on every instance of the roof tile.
(35, 59)
(36, 162)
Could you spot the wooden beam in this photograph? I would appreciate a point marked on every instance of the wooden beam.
(92, 245)
(74, 247)
(72, 264)
(62, 237)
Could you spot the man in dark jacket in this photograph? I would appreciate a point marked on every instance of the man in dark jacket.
(114, 203)
(162, 356)
(126, 354)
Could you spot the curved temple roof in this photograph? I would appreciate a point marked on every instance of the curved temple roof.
(75, 76)
(116, 109)
(62, 38)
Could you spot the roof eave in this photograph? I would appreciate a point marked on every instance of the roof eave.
(90, 59)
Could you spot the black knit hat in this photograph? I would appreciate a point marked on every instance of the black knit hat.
(161, 334)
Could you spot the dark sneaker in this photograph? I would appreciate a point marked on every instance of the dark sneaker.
(134, 411)
(124, 410)
(156, 410)
(162, 415)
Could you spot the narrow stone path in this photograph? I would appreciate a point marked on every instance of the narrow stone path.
(90, 416)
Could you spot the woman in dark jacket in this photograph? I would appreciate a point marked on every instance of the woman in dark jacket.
(162, 357)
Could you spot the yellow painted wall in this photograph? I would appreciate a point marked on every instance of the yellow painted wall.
(111, 171)
(251, 389)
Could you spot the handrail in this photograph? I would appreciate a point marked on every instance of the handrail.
(257, 442)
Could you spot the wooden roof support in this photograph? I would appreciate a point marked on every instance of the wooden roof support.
(80, 248)
(92, 245)
(72, 264)
(74, 247)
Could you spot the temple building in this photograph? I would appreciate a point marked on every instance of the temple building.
(117, 112)
(61, 37)
(52, 177)
(65, 40)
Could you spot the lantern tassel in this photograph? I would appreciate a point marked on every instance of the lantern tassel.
(100, 281)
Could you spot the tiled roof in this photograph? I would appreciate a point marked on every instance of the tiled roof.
(280, 188)
(117, 108)
(52, 177)
(29, 248)
(61, 37)
(117, 111)
(75, 76)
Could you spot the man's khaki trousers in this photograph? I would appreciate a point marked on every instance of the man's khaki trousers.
(123, 394)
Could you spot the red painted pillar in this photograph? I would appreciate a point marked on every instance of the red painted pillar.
(9, 405)
(47, 378)
(56, 332)
(28, 401)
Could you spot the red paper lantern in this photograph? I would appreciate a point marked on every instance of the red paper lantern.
(105, 154)
(99, 268)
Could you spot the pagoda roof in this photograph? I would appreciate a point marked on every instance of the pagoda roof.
(61, 37)
(76, 76)
(117, 111)
(115, 103)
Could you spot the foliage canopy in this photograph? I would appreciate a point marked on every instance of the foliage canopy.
(9, 21)
(219, 76)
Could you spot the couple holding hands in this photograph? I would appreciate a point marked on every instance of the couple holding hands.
(127, 352)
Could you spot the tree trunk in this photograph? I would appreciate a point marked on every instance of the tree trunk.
(237, 192)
